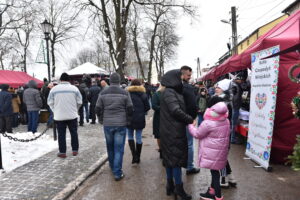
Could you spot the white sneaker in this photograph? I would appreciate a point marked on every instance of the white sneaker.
(224, 182)
(231, 180)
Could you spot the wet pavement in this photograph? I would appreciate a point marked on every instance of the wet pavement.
(147, 180)
(48, 176)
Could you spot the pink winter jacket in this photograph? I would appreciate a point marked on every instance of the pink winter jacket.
(213, 135)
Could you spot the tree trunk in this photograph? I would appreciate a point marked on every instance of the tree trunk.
(137, 53)
(152, 45)
(1, 60)
(25, 59)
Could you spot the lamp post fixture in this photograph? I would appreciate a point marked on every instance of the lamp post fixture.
(47, 27)
(234, 29)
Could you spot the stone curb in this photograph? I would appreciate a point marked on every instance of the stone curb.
(74, 185)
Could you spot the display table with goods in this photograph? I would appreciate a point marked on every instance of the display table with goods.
(242, 127)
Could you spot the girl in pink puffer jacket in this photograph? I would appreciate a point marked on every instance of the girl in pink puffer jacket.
(213, 135)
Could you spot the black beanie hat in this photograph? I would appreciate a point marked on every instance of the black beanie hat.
(64, 77)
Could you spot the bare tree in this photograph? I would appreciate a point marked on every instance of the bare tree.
(135, 39)
(26, 26)
(166, 43)
(63, 15)
(73, 63)
(86, 55)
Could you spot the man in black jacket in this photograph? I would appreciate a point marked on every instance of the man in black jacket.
(93, 97)
(191, 109)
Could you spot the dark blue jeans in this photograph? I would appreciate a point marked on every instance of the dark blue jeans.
(115, 141)
(86, 109)
(200, 118)
(61, 129)
(50, 119)
(234, 121)
(190, 140)
(33, 121)
(174, 173)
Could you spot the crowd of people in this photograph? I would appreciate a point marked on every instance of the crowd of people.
(182, 112)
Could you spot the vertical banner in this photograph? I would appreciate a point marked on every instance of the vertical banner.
(264, 78)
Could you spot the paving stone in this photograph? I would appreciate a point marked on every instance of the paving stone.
(46, 176)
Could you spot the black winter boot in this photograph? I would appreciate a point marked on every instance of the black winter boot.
(138, 152)
(179, 191)
(133, 151)
(170, 186)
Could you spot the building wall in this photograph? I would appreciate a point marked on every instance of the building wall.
(242, 46)
(293, 9)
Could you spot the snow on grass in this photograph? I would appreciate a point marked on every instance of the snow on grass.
(15, 154)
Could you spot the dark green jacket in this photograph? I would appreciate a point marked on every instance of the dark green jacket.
(156, 117)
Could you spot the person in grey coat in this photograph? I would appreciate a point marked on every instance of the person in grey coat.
(114, 109)
(33, 101)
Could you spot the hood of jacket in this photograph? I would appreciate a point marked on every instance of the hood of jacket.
(172, 79)
(218, 112)
(32, 84)
(136, 88)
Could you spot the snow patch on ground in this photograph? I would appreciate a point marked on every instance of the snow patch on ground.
(15, 154)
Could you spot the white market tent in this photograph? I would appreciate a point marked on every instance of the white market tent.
(87, 68)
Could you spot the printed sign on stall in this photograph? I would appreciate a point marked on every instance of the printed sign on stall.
(264, 78)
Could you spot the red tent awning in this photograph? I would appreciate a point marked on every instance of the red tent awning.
(286, 127)
(285, 34)
(15, 78)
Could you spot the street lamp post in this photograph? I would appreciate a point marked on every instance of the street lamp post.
(46, 27)
(234, 29)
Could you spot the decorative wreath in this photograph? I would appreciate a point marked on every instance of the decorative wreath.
(296, 100)
(291, 71)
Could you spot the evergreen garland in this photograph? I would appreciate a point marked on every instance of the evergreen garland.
(295, 157)
(296, 105)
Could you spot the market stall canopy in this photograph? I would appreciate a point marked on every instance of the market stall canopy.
(87, 68)
(285, 34)
(16, 79)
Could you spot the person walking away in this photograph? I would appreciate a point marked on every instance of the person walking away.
(213, 135)
(236, 91)
(202, 104)
(50, 119)
(156, 117)
(92, 98)
(114, 109)
(23, 109)
(64, 100)
(85, 102)
(32, 99)
(80, 110)
(222, 95)
(191, 109)
(44, 92)
(138, 122)
(16, 102)
(6, 109)
(173, 122)
(148, 91)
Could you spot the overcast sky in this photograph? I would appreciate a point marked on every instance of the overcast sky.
(207, 38)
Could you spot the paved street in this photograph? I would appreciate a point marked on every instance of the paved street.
(147, 181)
(48, 175)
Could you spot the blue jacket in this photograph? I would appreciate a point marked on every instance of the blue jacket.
(5, 104)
